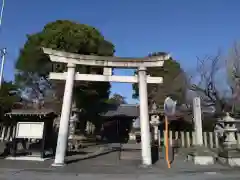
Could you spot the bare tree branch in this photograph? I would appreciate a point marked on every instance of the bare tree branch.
(233, 73)
(205, 84)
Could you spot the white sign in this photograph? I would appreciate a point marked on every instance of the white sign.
(32, 130)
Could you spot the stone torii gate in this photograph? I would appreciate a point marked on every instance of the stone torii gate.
(107, 63)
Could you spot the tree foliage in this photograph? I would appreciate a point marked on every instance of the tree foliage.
(174, 82)
(33, 66)
(117, 99)
(217, 81)
(233, 75)
(8, 97)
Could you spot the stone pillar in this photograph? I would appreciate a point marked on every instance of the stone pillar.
(201, 154)
(65, 116)
(198, 121)
(144, 118)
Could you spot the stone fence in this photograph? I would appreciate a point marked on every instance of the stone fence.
(6, 132)
(186, 139)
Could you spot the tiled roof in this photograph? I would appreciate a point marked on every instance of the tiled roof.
(129, 110)
(30, 112)
(132, 110)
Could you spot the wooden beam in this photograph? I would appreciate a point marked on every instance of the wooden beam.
(105, 78)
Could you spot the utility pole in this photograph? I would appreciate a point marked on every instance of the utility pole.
(1, 14)
(3, 51)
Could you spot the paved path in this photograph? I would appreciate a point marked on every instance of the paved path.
(26, 175)
(108, 166)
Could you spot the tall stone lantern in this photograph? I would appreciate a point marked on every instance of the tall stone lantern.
(229, 153)
(73, 121)
(155, 121)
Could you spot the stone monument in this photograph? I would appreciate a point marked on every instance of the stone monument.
(200, 154)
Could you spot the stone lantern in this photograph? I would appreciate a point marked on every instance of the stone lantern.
(72, 125)
(229, 130)
(229, 152)
(154, 120)
(73, 122)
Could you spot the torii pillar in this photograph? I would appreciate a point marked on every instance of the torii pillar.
(66, 110)
(65, 116)
(144, 118)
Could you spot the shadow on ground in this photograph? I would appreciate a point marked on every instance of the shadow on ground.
(72, 153)
(90, 156)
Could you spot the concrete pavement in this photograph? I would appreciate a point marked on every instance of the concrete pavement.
(108, 166)
(28, 175)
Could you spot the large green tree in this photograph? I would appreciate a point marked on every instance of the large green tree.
(117, 99)
(174, 82)
(33, 66)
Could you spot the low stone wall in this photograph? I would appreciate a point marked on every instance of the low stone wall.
(187, 138)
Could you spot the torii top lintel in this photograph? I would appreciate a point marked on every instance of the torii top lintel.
(105, 61)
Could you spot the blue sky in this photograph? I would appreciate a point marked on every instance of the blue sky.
(185, 28)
